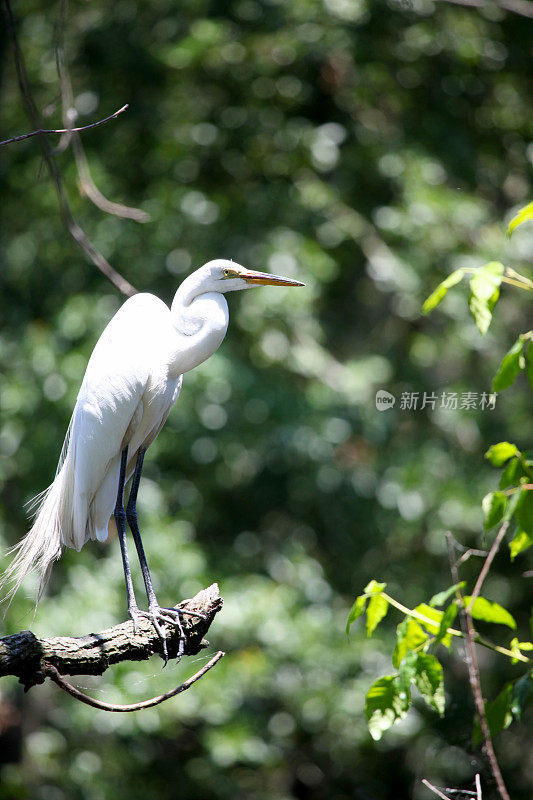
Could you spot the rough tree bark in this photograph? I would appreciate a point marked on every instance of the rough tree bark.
(26, 655)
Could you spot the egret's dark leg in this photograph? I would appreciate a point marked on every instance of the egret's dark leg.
(120, 520)
(131, 515)
(157, 614)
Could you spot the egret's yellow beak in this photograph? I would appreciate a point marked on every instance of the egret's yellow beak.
(266, 279)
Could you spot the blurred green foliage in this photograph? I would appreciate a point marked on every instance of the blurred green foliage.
(368, 149)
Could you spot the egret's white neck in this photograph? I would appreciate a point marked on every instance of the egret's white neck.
(200, 319)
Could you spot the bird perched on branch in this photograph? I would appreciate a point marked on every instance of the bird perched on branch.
(132, 380)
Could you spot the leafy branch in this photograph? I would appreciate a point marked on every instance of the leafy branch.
(429, 625)
(485, 281)
(422, 629)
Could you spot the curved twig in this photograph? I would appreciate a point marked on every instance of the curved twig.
(75, 230)
(52, 673)
(71, 136)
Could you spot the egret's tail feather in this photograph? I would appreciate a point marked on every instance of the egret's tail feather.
(40, 547)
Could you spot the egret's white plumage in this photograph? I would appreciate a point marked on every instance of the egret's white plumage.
(132, 380)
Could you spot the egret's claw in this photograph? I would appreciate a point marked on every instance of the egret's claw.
(159, 618)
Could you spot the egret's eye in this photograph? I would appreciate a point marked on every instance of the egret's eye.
(226, 273)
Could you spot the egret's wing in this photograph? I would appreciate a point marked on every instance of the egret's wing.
(109, 405)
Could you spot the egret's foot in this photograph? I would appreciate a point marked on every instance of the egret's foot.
(197, 614)
(159, 618)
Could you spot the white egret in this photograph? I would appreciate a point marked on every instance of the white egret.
(132, 380)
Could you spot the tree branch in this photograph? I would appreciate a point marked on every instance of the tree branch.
(472, 662)
(488, 561)
(71, 136)
(463, 792)
(64, 130)
(436, 790)
(52, 673)
(29, 657)
(75, 230)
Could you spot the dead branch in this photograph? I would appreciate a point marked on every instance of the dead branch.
(488, 561)
(29, 657)
(463, 792)
(63, 130)
(75, 230)
(71, 135)
(471, 656)
(52, 673)
(436, 790)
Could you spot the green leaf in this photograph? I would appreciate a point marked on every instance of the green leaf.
(446, 622)
(524, 512)
(513, 502)
(493, 505)
(487, 611)
(434, 616)
(407, 671)
(523, 507)
(386, 703)
(521, 693)
(429, 681)
(484, 293)
(516, 648)
(511, 474)
(512, 364)
(409, 636)
(374, 588)
(499, 453)
(508, 705)
(440, 292)
(522, 216)
(356, 610)
(498, 713)
(529, 353)
(377, 609)
(440, 598)
(520, 542)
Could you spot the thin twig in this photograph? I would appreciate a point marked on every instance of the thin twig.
(87, 184)
(474, 675)
(64, 130)
(54, 675)
(435, 790)
(75, 230)
(488, 561)
(478, 787)
(470, 552)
